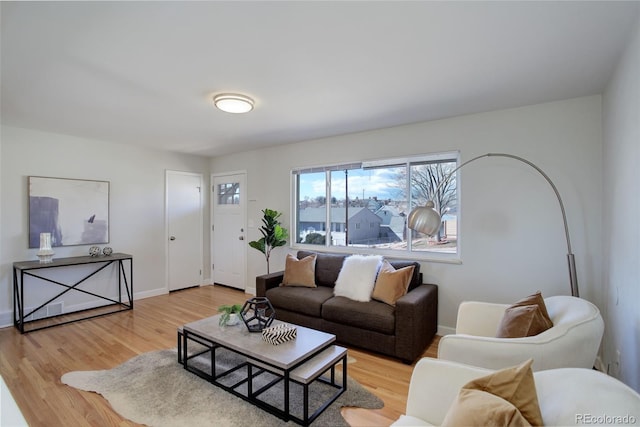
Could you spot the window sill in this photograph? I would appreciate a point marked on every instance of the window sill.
(444, 258)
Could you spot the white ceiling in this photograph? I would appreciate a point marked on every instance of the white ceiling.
(144, 72)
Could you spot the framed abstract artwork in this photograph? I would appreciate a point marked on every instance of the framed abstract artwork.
(74, 211)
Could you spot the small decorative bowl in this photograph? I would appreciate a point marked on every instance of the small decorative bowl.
(94, 250)
(107, 251)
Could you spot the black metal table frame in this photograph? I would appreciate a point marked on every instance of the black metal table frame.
(252, 396)
(25, 270)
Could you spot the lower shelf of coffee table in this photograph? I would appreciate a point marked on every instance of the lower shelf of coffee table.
(304, 374)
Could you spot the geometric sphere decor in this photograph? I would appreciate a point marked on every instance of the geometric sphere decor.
(257, 313)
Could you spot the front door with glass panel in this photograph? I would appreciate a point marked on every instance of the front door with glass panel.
(229, 235)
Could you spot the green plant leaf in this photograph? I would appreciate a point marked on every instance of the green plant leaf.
(226, 311)
(258, 244)
(224, 319)
(273, 234)
(279, 236)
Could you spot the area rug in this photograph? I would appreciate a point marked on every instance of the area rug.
(153, 389)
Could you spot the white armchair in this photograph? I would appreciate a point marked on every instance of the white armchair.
(567, 396)
(573, 341)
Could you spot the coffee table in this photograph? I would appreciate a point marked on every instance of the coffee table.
(302, 361)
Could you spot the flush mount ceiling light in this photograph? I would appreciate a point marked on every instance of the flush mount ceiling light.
(233, 103)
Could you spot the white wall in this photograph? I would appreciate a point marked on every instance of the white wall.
(505, 255)
(137, 200)
(621, 215)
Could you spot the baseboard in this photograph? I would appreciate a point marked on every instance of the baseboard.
(149, 294)
(6, 318)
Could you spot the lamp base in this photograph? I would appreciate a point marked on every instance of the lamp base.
(45, 256)
(573, 276)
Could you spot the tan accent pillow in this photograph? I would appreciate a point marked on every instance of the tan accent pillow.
(475, 408)
(391, 284)
(300, 272)
(523, 321)
(537, 300)
(525, 318)
(515, 385)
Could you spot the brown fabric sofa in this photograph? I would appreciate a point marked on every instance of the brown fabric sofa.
(403, 331)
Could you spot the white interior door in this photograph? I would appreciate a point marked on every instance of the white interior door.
(229, 235)
(184, 229)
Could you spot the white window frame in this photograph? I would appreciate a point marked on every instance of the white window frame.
(431, 256)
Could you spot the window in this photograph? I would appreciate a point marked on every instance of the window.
(229, 193)
(334, 204)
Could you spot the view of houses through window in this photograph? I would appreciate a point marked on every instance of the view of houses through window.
(367, 204)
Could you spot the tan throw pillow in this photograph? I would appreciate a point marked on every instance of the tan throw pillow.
(391, 284)
(475, 408)
(537, 300)
(300, 272)
(525, 318)
(515, 385)
(523, 321)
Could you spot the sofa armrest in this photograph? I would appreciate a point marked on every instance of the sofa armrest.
(416, 321)
(434, 386)
(479, 318)
(557, 347)
(488, 352)
(268, 281)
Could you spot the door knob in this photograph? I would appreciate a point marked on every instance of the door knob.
(241, 238)
(172, 238)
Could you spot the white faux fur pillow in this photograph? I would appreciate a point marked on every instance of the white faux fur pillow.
(357, 277)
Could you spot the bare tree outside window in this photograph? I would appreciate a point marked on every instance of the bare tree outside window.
(428, 183)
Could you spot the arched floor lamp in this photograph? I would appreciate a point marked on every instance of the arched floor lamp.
(427, 220)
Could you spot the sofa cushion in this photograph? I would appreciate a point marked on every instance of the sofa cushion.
(357, 277)
(391, 284)
(300, 272)
(373, 315)
(327, 266)
(299, 299)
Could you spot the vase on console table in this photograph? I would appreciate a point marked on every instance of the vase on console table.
(45, 254)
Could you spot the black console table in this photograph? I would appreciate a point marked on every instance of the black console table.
(30, 268)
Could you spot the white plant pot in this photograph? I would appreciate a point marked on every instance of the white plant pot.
(234, 318)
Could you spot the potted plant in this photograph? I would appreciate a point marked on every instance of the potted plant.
(273, 234)
(230, 314)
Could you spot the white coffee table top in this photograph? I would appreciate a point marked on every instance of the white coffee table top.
(238, 338)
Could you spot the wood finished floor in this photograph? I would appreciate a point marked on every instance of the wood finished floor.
(32, 364)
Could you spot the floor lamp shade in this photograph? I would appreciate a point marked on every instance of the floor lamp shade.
(427, 220)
